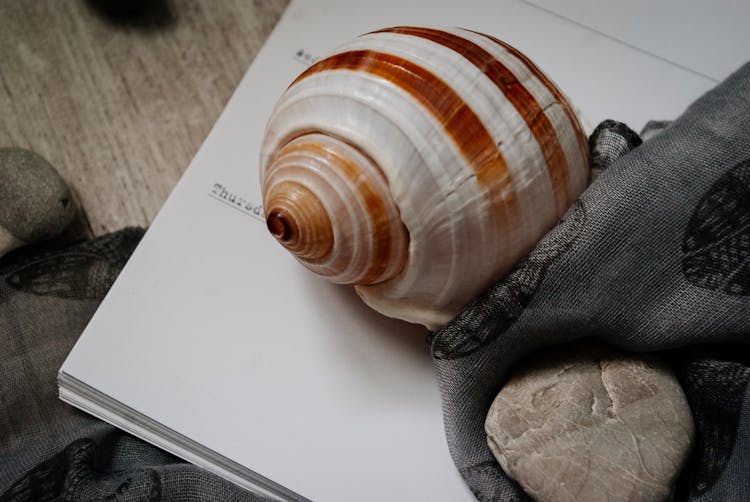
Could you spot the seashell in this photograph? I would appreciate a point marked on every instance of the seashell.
(420, 165)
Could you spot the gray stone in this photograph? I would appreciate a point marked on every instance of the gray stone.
(591, 423)
(35, 202)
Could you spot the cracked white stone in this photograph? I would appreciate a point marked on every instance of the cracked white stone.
(591, 423)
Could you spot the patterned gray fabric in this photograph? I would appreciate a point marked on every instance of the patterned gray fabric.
(654, 256)
(49, 450)
(610, 141)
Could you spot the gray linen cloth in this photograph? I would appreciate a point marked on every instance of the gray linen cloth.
(52, 451)
(654, 256)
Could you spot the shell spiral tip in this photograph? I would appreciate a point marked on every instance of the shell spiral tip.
(279, 226)
(298, 220)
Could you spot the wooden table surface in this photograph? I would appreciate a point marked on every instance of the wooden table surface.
(121, 103)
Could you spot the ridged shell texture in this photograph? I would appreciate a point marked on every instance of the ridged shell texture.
(421, 165)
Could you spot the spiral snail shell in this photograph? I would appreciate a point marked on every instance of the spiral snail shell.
(419, 165)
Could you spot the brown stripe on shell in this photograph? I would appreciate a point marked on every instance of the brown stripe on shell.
(373, 205)
(520, 97)
(457, 118)
(556, 93)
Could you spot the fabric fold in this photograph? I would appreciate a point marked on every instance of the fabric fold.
(654, 256)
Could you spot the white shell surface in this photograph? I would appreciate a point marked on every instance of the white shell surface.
(480, 153)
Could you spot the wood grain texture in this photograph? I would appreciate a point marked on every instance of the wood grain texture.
(121, 107)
